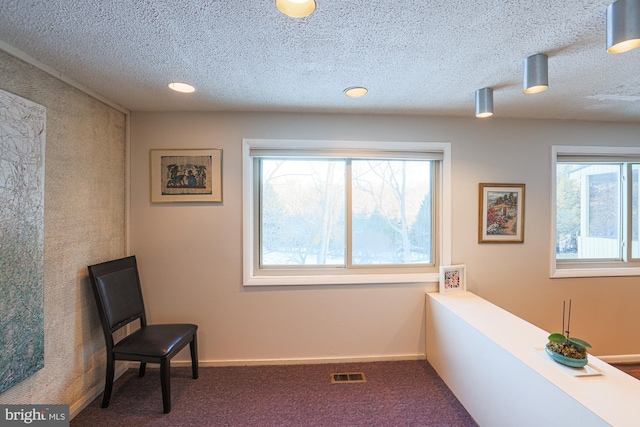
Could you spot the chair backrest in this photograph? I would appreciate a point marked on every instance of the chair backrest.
(116, 287)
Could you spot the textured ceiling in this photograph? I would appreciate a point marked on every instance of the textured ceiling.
(415, 56)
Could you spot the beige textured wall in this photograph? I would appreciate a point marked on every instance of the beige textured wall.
(191, 254)
(84, 224)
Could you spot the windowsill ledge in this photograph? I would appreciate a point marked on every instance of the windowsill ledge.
(360, 279)
(560, 273)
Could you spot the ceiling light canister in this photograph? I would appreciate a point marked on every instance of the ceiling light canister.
(623, 26)
(355, 91)
(484, 102)
(181, 87)
(536, 73)
(296, 8)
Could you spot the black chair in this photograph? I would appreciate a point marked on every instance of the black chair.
(116, 287)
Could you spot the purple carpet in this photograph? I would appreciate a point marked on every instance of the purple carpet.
(405, 393)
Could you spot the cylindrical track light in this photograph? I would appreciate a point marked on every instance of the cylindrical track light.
(536, 73)
(484, 102)
(623, 26)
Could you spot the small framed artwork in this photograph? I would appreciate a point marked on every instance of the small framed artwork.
(453, 278)
(190, 175)
(501, 216)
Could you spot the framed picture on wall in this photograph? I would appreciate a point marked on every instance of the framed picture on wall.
(453, 279)
(190, 175)
(501, 215)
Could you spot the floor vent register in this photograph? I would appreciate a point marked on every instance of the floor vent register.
(348, 377)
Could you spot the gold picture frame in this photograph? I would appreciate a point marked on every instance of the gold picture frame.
(501, 213)
(189, 175)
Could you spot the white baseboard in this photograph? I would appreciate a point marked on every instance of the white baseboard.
(301, 361)
(90, 395)
(622, 358)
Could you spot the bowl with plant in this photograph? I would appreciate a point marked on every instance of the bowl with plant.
(566, 349)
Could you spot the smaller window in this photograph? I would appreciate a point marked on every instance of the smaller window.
(589, 211)
(595, 205)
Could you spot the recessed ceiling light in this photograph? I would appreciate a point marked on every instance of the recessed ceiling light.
(355, 91)
(181, 87)
(296, 8)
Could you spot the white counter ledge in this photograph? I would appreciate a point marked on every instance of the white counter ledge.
(492, 361)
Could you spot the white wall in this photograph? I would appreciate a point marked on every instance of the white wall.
(190, 255)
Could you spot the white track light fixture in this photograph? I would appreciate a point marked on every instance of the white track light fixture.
(484, 102)
(536, 73)
(623, 26)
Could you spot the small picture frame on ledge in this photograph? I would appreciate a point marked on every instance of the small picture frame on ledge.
(453, 279)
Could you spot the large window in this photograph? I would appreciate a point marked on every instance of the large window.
(596, 211)
(342, 212)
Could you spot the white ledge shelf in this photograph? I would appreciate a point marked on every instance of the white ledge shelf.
(487, 357)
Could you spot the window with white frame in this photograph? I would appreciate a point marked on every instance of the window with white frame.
(327, 212)
(595, 211)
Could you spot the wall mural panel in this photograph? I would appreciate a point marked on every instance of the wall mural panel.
(22, 147)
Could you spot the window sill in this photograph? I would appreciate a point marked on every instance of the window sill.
(360, 279)
(594, 272)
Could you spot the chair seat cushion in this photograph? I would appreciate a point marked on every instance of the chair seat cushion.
(156, 340)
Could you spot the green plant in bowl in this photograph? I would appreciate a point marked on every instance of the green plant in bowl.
(565, 349)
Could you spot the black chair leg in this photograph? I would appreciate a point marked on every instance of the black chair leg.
(193, 345)
(143, 365)
(108, 383)
(165, 382)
